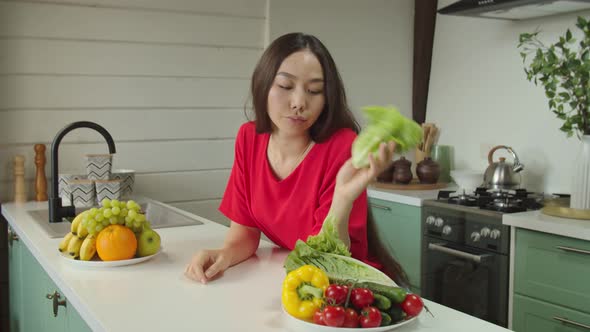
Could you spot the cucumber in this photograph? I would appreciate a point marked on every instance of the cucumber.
(385, 319)
(397, 313)
(395, 294)
(381, 302)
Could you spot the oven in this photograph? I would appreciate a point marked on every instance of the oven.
(465, 260)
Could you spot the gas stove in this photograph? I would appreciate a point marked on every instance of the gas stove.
(505, 201)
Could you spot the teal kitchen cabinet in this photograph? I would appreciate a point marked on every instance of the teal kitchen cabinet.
(398, 226)
(15, 283)
(551, 283)
(32, 294)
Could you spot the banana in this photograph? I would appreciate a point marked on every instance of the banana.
(63, 245)
(88, 248)
(74, 247)
(76, 222)
(82, 231)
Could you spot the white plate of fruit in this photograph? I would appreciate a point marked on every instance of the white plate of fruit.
(115, 234)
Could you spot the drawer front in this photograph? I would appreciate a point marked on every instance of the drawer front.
(531, 315)
(399, 228)
(553, 268)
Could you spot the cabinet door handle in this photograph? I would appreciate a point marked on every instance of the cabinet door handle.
(576, 250)
(11, 236)
(382, 207)
(571, 322)
(56, 302)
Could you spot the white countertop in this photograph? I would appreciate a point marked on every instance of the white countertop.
(408, 197)
(246, 298)
(537, 221)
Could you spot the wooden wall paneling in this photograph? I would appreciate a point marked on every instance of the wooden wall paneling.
(424, 23)
(143, 157)
(23, 126)
(112, 92)
(24, 19)
(252, 8)
(183, 186)
(207, 209)
(75, 57)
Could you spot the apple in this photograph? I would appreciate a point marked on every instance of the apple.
(148, 242)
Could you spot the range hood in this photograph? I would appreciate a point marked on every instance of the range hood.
(514, 9)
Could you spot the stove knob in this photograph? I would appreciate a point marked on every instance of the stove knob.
(475, 236)
(484, 232)
(430, 220)
(438, 222)
(495, 234)
(447, 230)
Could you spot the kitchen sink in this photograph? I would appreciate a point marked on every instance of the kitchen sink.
(158, 214)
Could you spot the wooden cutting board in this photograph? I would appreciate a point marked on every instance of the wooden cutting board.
(413, 185)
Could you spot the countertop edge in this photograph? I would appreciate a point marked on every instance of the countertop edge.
(537, 221)
(394, 197)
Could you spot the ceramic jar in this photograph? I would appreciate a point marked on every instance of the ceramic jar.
(386, 175)
(428, 171)
(402, 172)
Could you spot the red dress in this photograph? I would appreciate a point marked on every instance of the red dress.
(293, 208)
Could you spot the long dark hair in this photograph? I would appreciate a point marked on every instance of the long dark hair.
(336, 113)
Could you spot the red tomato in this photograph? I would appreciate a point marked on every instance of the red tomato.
(361, 297)
(370, 317)
(336, 294)
(412, 305)
(318, 317)
(351, 318)
(334, 316)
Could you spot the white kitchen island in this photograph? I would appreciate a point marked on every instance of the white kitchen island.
(156, 296)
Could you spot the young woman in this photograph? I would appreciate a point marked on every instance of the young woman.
(292, 163)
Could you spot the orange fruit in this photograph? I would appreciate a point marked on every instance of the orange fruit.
(116, 242)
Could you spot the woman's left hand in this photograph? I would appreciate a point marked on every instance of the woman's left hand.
(351, 181)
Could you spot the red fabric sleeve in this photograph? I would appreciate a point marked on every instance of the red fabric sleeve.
(234, 204)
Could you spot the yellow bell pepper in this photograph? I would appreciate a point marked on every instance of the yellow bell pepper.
(303, 291)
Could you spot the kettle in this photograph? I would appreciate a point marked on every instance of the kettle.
(500, 174)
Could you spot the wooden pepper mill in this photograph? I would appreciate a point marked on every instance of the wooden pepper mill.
(40, 179)
(20, 195)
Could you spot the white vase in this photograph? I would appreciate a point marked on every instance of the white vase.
(580, 198)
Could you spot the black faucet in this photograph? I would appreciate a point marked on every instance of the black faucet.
(56, 211)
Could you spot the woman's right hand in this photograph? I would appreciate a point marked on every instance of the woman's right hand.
(207, 264)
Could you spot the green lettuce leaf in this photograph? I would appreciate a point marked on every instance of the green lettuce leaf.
(336, 267)
(386, 124)
(328, 240)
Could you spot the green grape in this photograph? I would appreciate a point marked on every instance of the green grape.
(85, 222)
(124, 212)
(99, 228)
(113, 220)
(107, 213)
(92, 212)
(115, 203)
(147, 225)
(136, 224)
(105, 222)
(132, 214)
(116, 210)
(106, 203)
(91, 223)
(128, 224)
(128, 219)
(90, 230)
(99, 217)
(121, 220)
(140, 217)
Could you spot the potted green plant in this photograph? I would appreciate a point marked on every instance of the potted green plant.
(563, 70)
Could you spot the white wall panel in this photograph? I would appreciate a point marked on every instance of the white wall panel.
(142, 156)
(30, 56)
(23, 19)
(252, 8)
(41, 126)
(49, 91)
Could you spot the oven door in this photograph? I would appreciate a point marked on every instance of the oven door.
(467, 279)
